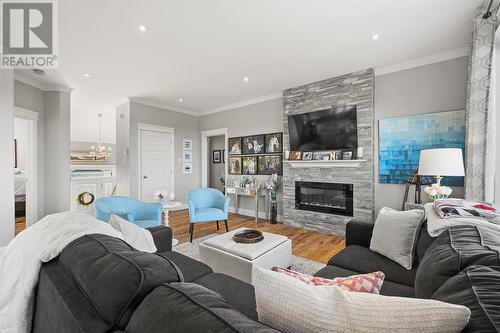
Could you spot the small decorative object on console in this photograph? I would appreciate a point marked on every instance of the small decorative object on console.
(161, 195)
(307, 156)
(248, 236)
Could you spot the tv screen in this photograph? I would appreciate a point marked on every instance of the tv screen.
(334, 128)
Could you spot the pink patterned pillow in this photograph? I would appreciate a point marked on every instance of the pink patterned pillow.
(366, 283)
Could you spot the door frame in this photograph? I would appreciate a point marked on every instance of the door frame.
(154, 128)
(31, 163)
(204, 152)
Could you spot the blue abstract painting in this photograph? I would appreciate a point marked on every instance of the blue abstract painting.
(402, 138)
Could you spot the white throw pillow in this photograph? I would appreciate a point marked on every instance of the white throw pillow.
(395, 234)
(135, 236)
(289, 305)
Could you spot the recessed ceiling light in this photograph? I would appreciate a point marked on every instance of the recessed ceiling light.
(38, 71)
(86, 74)
(142, 28)
(245, 79)
(180, 100)
(375, 37)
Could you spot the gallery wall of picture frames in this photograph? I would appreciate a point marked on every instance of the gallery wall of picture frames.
(260, 154)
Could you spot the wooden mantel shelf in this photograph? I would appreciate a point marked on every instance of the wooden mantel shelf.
(325, 164)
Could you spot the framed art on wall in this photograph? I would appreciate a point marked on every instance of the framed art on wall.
(274, 143)
(269, 164)
(187, 156)
(216, 156)
(234, 165)
(402, 138)
(187, 144)
(253, 144)
(223, 156)
(249, 165)
(187, 168)
(234, 146)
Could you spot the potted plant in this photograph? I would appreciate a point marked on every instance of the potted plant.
(274, 184)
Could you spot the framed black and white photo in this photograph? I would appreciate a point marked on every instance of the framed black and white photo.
(234, 146)
(307, 156)
(269, 164)
(187, 144)
(187, 168)
(234, 167)
(249, 165)
(347, 154)
(274, 143)
(253, 144)
(223, 156)
(216, 156)
(321, 156)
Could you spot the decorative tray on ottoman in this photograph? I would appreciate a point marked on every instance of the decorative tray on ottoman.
(248, 236)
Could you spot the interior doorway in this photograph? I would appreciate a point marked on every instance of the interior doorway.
(213, 159)
(156, 162)
(25, 168)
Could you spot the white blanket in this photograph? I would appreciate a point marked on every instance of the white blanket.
(21, 259)
(436, 225)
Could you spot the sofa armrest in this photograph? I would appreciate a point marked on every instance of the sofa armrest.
(162, 237)
(358, 233)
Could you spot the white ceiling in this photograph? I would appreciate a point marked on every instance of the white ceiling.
(200, 50)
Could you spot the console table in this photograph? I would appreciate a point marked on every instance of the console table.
(250, 192)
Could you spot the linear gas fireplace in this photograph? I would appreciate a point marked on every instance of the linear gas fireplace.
(332, 198)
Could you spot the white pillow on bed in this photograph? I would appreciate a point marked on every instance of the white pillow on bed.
(135, 236)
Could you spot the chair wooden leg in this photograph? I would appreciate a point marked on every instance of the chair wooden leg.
(191, 231)
(217, 225)
(225, 222)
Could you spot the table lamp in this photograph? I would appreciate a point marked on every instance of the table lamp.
(441, 162)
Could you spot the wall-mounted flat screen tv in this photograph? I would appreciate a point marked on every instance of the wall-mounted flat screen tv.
(334, 128)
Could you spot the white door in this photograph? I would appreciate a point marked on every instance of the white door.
(156, 163)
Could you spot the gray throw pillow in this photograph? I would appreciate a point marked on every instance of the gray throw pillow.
(395, 234)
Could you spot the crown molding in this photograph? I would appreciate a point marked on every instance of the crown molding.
(41, 86)
(438, 57)
(243, 103)
(144, 101)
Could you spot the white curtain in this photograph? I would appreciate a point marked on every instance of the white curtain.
(480, 147)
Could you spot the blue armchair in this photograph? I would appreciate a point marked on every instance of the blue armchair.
(145, 215)
(206, 205)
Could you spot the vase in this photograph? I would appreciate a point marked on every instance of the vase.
(171, 197)
(274, 211)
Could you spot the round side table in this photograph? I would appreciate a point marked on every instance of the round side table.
(167, 206)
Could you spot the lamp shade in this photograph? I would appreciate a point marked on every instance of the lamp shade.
(441, 162)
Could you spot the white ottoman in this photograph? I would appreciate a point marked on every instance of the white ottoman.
(226, 256)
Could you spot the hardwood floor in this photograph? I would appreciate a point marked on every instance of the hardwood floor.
(20, 224)
(309, 244)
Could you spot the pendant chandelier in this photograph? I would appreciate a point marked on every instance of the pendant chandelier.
(99, 152)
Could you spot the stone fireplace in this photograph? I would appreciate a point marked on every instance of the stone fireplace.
(330, 211)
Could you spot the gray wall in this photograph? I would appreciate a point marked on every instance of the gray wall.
(186, 126)
(215, 170)
(265, 117)
(57, 190)
(431, 88)
(7, 160)
(123, 149)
